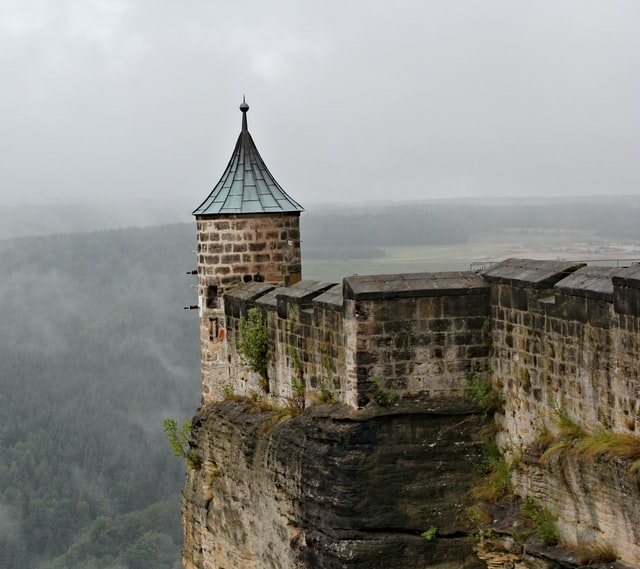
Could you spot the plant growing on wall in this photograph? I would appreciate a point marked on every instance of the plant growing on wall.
(298, 390)
(381, 395)
(481, 392)
(595, 553)
(253, 344)
(179, 442)
(295, 360)
(326, 389)
(605, 444)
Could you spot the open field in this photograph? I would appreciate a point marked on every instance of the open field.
(483, 248)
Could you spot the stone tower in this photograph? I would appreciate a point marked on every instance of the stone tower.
(248, 229)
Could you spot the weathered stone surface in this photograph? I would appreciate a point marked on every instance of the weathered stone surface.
(596, 501)
(332, 488)
(238, 248)
(369, 287)
(530, 272)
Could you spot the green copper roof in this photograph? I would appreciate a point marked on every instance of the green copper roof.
(247, 186)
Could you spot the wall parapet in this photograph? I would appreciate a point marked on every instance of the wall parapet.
(554, 334)
(417, 334)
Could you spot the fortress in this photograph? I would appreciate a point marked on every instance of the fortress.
(553, 337)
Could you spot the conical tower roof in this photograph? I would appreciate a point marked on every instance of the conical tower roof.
(247, 186)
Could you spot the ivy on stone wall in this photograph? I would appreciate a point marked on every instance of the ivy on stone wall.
(253, 344)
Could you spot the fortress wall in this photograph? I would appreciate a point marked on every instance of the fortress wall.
(559, 344)
(565, 337)
(330, 354)
(561, 336)
(554, 335)
(306, 337)
(421, 333)
(625, 366)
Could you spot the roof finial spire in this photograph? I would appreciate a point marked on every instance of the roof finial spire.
(244, 108)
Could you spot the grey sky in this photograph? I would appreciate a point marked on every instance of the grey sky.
(350, 100)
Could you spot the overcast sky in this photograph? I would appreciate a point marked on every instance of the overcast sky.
(350, 100)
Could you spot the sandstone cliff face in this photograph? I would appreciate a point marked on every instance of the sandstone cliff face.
(597, 501)
(332, 488)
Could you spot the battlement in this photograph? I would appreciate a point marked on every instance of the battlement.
(418, 334)
(552, 333)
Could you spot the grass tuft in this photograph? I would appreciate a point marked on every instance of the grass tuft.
(543, 522)
(589, 554)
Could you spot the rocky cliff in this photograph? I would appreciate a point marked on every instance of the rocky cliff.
(333, 487)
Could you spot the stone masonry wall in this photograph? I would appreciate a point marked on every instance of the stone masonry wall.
(419, 334)
(305, 336)
(422, 333)
(237, 249)
(560, 342)
(565, 341)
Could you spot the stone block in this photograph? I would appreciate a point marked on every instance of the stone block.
(468, 305)
(230, 259)
(429, 307)
(440, 325)
(626, 301)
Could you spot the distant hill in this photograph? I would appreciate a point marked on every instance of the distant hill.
(427, 222)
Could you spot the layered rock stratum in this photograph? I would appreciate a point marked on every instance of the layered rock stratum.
(333, 487)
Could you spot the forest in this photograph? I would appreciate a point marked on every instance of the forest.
(96, 350)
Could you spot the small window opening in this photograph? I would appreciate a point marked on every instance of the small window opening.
(213, 329)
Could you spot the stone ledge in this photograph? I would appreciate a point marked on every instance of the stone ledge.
(303, 291)
(628, 277)
(370, 287)
(531, 272)
(330, 298)
(589, 282)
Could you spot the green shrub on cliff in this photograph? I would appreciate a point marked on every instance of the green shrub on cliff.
(253, 344)
(179, 442)
(542, 520)
(496, 484)
(430, 534)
